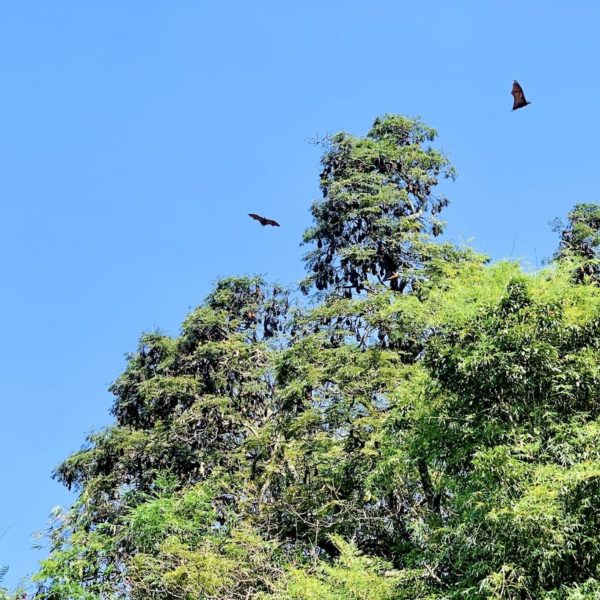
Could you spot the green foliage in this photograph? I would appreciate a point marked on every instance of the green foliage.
(378, 205)
(352, 576)
(439, 444)
(580, 240)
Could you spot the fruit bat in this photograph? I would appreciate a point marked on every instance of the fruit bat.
(263, 220)
(392, 277)
(519, 96)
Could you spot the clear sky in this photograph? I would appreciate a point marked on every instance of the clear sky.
(136, 135)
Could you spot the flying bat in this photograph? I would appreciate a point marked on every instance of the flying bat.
(263, 220)
(518, 95)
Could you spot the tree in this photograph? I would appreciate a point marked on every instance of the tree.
(580, 241)
(433, 445)
(378, 206)
(185, 408)
(345, 471)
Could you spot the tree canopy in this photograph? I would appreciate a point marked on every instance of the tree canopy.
(378, 206)
(580, 239)
(432, 436)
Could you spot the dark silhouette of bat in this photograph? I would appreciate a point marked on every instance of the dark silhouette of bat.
(263, 220)
(519, 96)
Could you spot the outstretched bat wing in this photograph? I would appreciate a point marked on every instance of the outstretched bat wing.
(264, 220)
(258, 218)
(519, 96)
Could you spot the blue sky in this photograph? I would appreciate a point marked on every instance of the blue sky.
(135, 136)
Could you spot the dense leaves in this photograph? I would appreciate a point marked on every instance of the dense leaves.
(442, 443)
(378, 205)
(580, 239)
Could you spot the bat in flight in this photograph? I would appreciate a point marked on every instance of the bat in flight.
(519, 96)
(263, 220)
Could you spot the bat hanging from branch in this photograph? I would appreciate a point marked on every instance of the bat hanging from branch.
(392, 277)
(263, 220)
(519, 96)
